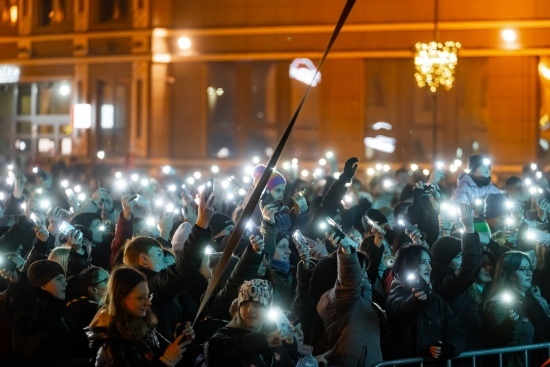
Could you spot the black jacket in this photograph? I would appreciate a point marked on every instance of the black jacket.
(416, 325)
(41, 326)
(82, 311)
(167, 285)
(242, 348)
(118, 352)
(453, 287)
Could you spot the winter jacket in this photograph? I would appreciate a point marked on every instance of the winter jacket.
(352, 325)
(467, 190)
(416, 325)
(123, 232)
(41, 326)
(453, 287)
(167, 285)
(82, 311)
(235, 347)
(118, 352)
(303, 305)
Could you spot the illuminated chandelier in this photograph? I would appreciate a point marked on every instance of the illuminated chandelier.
(435, 62)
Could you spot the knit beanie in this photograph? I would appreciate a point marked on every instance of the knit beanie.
(481, 226)
(42, 271)
(445, 249)
(475, 161)
(219, 222)
(256, 290)
(274, 180)
(495, 206)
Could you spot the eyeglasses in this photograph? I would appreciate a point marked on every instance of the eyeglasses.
(143, 299)
(525, 269)
(101, 281)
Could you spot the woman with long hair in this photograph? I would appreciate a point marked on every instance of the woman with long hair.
(132, 339)
(422, 324)
(516, 313)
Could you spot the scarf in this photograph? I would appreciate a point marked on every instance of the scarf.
(480, 181)
(280, 265)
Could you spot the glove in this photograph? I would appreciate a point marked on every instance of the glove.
(349, 169)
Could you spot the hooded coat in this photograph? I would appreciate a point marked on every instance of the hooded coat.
(351, 323)
(416, 325)
(467, 190)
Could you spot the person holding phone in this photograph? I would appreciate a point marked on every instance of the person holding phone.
(421, 322)
(351, 321)
(287, 220)
(243, 342)
(516, 313)
(132, 338)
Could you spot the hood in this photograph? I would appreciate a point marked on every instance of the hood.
(464, 177)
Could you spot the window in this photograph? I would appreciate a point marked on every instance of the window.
(113, 117)
(51, 12)
(112, 10)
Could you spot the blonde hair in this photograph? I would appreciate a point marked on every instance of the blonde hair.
(60, 255)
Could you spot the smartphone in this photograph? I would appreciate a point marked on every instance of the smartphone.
(373, 224)
(209, 188)
(36, 220)
(301, 243)
(65, 228)
(253, 228)
(407, 225)
(283, 323)
(535, 234)
(179, 330)
(267, 198)
(40, 173)
(335, 228)
(418, 283)
(7, 264)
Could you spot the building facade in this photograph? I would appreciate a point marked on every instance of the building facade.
(194, 81)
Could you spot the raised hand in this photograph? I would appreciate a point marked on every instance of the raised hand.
(205, 210)
(257, 243)
(349, 169)
(466, 216)
(300, 203)
(128, 202)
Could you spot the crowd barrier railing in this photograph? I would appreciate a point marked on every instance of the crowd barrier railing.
(420, 361)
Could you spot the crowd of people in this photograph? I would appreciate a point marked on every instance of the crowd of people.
(329, 272)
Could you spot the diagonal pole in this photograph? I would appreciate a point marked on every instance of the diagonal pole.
(257, 192)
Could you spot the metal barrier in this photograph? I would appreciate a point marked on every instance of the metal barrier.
(472, 355)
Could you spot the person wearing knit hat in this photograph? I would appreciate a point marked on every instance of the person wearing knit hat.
(284, 218)
(496, 211)
(475, 184)
(242, 341)
(275, 179)
(220, 225)
(41, 326)
(456, 265)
